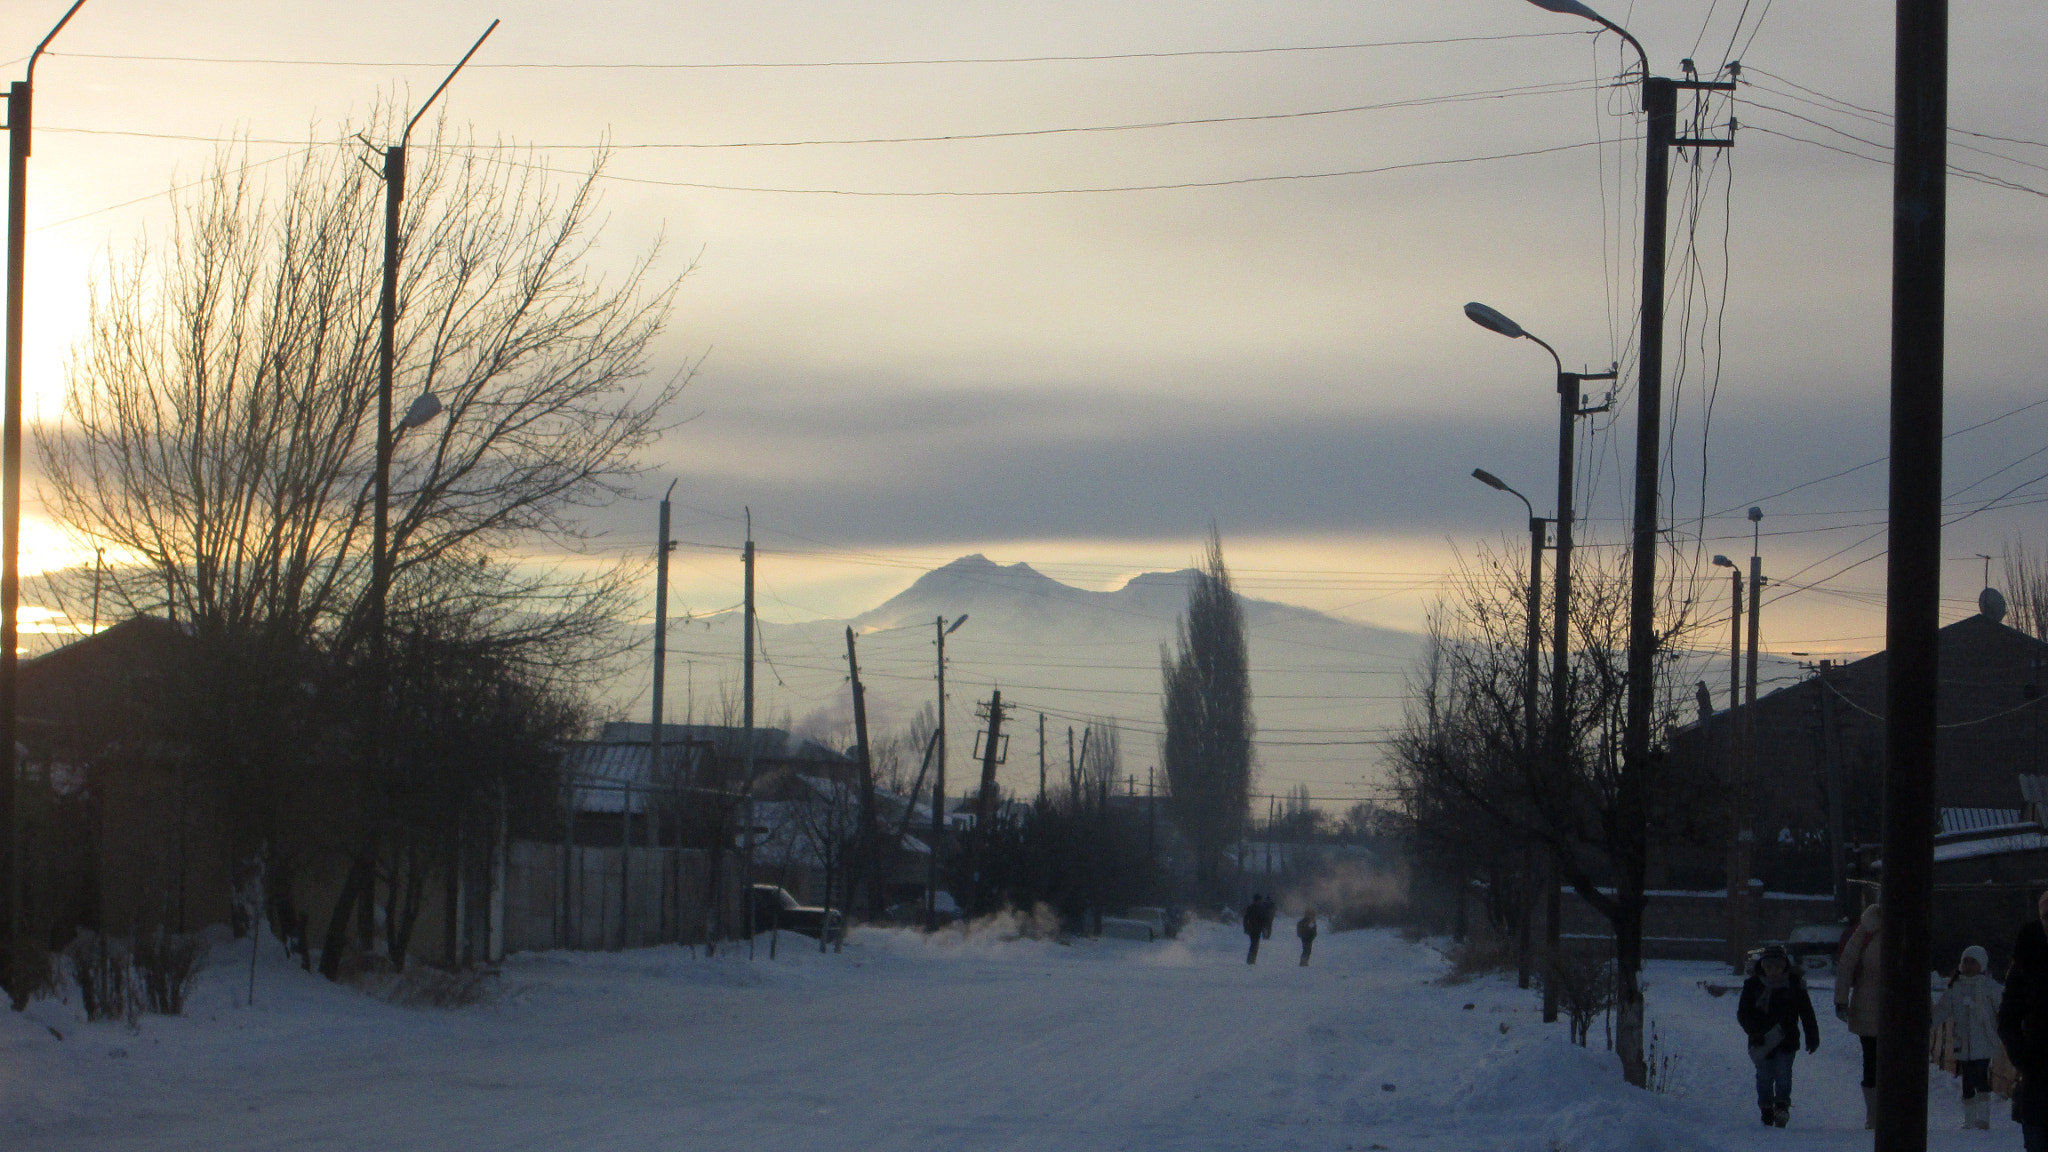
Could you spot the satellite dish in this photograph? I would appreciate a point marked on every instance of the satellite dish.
(1992, 604)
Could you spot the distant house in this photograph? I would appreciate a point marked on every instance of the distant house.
(1819, 771)
(118, 837)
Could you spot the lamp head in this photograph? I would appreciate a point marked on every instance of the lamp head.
(1755, 514)
(1489, 479)
(1567, 7)
(1721, 561)
(1493, 321)
(956, 624)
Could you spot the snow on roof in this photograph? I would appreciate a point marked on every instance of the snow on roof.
(1956, 821)
(1990, 846)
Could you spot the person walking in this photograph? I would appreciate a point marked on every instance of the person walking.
(1253, 926)
(1970, 1003)
(1306, 929)
(1774, 1007)
(1856, 984)
(2023, 1026)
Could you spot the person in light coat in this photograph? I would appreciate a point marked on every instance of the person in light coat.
(1856, 984)
(1971, 1004)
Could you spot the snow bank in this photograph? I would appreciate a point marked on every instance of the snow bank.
(1578, 1092)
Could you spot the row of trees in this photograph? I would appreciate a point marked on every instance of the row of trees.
(217, 447)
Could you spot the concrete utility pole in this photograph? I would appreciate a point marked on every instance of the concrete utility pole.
(1745, 828)
(1738, 869)
(931, 885)
(747, 718)
(1913, 563)
(13, 975)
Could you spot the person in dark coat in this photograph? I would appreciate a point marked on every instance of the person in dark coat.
(2023, 1026)
(1255, 915)
(1773, 1009)
(1306, 929)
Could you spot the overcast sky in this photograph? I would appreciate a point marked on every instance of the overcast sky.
(1086, 379)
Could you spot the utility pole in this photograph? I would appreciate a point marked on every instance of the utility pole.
(931, 885)
(985, 800)
(1745, 785)
(13, 969)
(1660, 107)
(1913, 563)
(1831, 761)
(1151, 817)
(1073, 774)
(1569, 412)
(747, 719)
(1738, 871)
(1041, 757)
(867, 844)
(655, 790)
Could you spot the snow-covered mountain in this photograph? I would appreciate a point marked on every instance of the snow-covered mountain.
(1324, 689)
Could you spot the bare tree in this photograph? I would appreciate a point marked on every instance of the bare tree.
(219, 444)
(1472, 785)
(1207, 747)
(2026, 588)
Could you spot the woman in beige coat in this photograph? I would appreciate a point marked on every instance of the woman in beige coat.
(1856, 982)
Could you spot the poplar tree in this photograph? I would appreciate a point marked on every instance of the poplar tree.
(1207, 748)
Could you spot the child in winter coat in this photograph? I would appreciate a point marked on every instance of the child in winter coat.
(1971, 1004)
(1306, 929)
(1773, 1009)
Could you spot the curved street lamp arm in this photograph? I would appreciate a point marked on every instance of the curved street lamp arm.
(30, 76)
(450, 77)
(1547, 348)
(1623, 33)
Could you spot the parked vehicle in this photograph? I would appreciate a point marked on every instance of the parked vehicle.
(775, 908)
(1813, 946)
(911, 912)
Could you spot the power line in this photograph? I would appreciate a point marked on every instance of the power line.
(1547, 89)
(1182, 185)
(780, 64)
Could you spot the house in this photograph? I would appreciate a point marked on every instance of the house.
(1819, 779)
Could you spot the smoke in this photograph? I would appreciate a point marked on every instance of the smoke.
(1006, 926)
(1350, 894)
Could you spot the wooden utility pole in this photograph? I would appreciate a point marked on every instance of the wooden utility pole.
(868, 846)
(1913, 563)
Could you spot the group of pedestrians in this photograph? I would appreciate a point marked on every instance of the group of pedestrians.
(1258, 925)
(1975, 1015)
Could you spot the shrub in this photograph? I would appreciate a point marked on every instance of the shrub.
(1585, 988)
(105, 977)
(168, 964)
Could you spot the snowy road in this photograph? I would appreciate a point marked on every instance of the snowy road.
(907, 1044)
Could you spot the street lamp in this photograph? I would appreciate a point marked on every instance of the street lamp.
(1533, 611)
(931, 883)
(1560, 619)
(1738, 825)
(1534, 608)
(13, 930)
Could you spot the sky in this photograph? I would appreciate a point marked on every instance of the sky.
(1082, 348)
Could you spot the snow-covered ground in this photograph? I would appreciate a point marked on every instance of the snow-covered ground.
(907, 1043)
